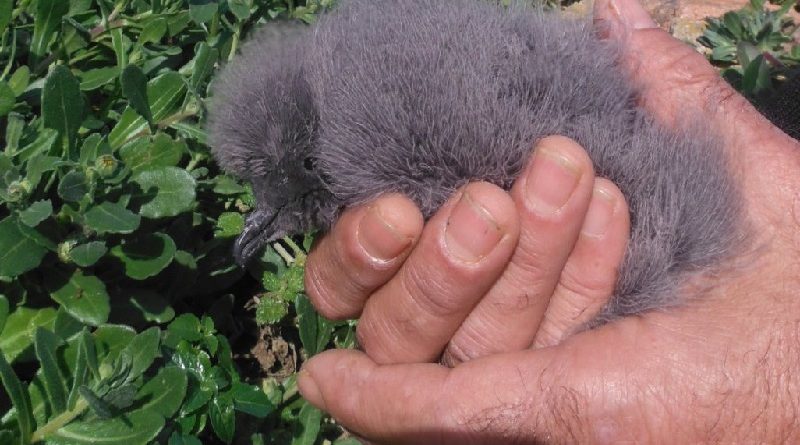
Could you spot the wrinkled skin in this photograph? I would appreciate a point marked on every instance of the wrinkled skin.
(724, 368)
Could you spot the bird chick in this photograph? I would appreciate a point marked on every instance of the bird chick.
(263, 127)
(423, 96)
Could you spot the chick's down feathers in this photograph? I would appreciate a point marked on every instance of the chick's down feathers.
(423, 96)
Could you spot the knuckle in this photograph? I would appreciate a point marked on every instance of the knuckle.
(434, 295)
(589, 285)
(388, 341)
(457, 352)
(325, 299)
(532, 261)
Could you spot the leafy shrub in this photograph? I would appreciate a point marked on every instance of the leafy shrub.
(752, 45)
(115, 219)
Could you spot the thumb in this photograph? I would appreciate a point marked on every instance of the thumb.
(506, 398)
(673, 79)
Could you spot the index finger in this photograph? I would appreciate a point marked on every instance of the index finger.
(364, 249)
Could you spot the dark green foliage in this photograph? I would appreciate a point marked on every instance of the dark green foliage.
(116, 230)
(752, 46)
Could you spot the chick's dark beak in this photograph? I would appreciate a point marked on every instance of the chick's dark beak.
(261, 228)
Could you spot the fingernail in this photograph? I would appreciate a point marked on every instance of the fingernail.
(551, 180)
(379, 236)
(471, 231)
(631, 14)
(309, 389)
(600, 213)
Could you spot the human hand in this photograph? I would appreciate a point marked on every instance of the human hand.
(480, 277)
(722, 368)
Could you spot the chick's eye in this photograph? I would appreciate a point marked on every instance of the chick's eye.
(309, 163)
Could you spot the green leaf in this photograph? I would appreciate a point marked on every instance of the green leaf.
(223, 419)
(73, 186)
(153, 307)
(164, 393)
(7, 98)
(165, 94)
(205, 59)
(145, 256)
(240, 8)
(271, 310)
(5, 14)
(251, 400)
(86, 255)
(19, 398)
(98, 78)
(308, 426)
(47, 20)
(191, 131)
(120, 44)
(161, 151)
(62, 103)
(36, 213)
(18, 252)
(110, 217)
(3, 311)
(143, 350)
(746, 52)
(203, 11)
(99, 407)
(167, 191)
(153, 31)
(39, 165)
(66, 325)
(91, 148)
(225, 185)
(229, 224)
(46, 343)
(8, 437)
(14, 129)
(725, 53)
(756, 76)
(84, 297)
(176, 439)
(315, 331)
(17, 335)
(37, 237)
(134, 88)
(81, 368)
(733, 22)
(185, 327)
(41, 145)
(20, 80)
(136, 428)
(111, 340)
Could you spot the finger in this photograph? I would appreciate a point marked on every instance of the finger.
(462, 251)
(552, 197)
(673, 79)
(521, 397)
(590, 275)
(420, 403)
(364, 249)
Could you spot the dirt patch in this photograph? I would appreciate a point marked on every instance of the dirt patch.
(276, 356)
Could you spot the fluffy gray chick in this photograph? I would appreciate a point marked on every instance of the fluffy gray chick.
(422, 96)
(263, 127)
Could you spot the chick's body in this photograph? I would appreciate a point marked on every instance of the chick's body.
(422, 96)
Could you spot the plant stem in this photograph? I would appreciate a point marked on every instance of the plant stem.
(287, 257)
(237, 34)
(13, 55)
(298, 252)
(59, 421)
